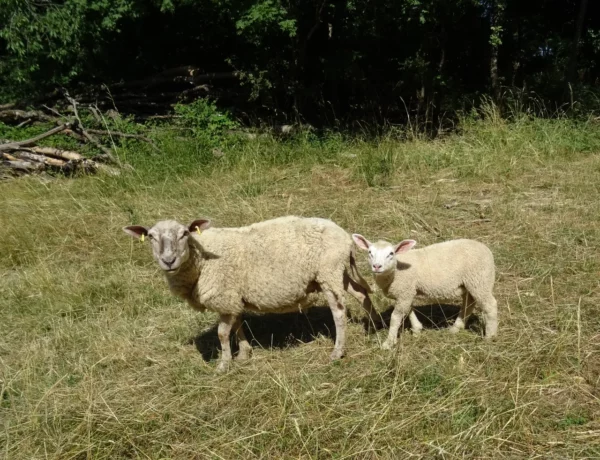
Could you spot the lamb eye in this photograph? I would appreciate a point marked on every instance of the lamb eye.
(186, 233)
(391, 254)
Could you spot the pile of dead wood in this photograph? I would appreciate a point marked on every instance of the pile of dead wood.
(27, 160)
(150, 97)
(26, 157)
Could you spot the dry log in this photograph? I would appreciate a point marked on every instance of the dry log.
(25, 155)
(66, 155)
(13, 116)
(24, 166)
(8, 156)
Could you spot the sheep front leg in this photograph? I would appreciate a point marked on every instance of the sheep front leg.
(225, 324)
(401, 309)
(338, 311)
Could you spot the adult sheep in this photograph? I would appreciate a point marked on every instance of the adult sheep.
(268, 267)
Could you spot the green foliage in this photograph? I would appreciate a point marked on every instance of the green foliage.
(321, 62)
(205, 120)
(52, 40)
(262, 15)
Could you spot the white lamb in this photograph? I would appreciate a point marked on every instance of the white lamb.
(268, 267)
(441, 271)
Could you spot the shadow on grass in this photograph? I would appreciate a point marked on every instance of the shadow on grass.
(272, 330)
(435, 316)
(283, 330)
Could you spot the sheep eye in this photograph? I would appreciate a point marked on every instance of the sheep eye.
(150, 237)
(391, 254)
(186, 233)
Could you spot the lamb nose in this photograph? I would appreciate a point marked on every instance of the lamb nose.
(376, 266)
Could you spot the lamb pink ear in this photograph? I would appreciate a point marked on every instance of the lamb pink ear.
(136, 231)
(361, 241)
(405, 246)
(201, 224)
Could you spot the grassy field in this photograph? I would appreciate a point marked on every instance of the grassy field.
(98, 360)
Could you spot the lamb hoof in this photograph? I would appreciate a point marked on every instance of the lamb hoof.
(223, 367)
(417, 331)
(387, 345)
(336, 354)
(453, 330)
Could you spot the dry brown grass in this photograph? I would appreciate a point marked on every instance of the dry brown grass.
(98, 360)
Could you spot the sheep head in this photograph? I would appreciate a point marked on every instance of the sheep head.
(382, 255)
(169, 241)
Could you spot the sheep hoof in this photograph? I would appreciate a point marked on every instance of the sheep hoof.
(417, 331)
(244, 354)
(223, 367)
(387, 345)
(336, 354)
(453, 330)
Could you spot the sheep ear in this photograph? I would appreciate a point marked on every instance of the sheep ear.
(404, 246)
(361, 241)
(137, 231)
(200, 224)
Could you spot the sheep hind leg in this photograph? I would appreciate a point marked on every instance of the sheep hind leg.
(415, 325)
(360, 293)
(224, 329)
(338, 311)
(245, 347)
(466, 309)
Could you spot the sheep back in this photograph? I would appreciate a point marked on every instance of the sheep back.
(269, 266)
(443, 270)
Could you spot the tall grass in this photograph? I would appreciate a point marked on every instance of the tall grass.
(98, 360)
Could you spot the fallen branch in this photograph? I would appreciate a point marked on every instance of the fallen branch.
(79, 127)
(125, 135)
(33, 140)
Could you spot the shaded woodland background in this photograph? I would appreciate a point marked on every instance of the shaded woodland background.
(321, 62)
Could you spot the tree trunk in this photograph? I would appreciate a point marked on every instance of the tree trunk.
(572, 67)
(495, 20)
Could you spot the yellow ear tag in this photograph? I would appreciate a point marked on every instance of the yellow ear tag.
(198, 230)
(143, 237)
